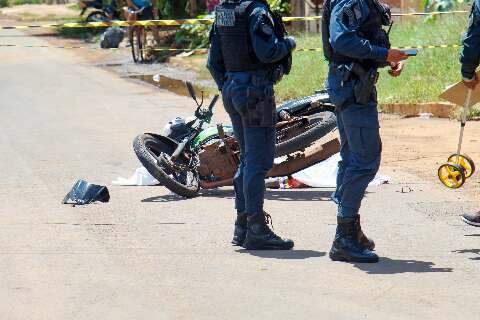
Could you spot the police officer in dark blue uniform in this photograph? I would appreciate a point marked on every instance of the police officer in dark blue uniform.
(248, 55)
(356, 45)
(470, 59)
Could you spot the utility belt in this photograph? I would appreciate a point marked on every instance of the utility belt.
(256, 98)
(273, 74)
(364, 79)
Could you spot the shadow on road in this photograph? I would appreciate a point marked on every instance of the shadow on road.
(392, 266)
(284, 254)
(278, 195)
(165, 198)
(474, 251)
(473, 235)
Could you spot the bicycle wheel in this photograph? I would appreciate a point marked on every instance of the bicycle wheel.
(142, 42)
(135, 45)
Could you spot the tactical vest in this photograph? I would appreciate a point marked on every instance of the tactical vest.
(232, 28)
(371, 29)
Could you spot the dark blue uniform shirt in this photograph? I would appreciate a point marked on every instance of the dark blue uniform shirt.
(345, 20)
(267, 47)
(470, 55)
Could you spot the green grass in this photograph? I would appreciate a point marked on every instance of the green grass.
(20, 2)
(74, 6)
(424, 77)
(4, 3)
(30, 16)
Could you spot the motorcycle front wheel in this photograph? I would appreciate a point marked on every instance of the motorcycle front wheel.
(154, 154)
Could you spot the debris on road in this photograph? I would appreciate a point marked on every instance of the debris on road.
(406, 189)
(112, 38)
(84, 193)
(141, 177)
(324, 174)
(425, 115)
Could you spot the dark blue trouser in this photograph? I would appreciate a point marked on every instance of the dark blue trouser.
(257, 145)
(360, 151)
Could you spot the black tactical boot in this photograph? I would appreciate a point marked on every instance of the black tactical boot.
(260, 237)
(346, 246)
(240, 230)
(362, 239)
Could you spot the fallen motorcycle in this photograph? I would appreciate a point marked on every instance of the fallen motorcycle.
(190, 157)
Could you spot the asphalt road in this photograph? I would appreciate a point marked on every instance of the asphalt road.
(148, 254)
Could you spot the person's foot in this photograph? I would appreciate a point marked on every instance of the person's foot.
(260, 237)
(346, 247)
(472, 219)
(362, 239)
(240, 231)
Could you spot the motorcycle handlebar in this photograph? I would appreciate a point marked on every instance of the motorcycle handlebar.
(191, 90)
(213, 102)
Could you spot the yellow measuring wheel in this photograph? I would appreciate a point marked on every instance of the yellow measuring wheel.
(452, 175)
(465, 162)
(459, 167)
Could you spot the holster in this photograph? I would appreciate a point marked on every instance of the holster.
(364, 87)
(260, 108)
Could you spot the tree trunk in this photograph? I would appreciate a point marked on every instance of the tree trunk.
(193, 8)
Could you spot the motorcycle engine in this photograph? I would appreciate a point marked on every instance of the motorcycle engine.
(219, 159)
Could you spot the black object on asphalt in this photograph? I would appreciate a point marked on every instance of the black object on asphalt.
(85, 193)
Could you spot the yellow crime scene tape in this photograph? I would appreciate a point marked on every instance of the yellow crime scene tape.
(205, 50)
(179, 22)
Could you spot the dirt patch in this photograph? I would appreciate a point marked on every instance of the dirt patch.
(419, 147)
(30, 12)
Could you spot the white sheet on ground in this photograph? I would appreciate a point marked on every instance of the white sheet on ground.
(324, 174)
(141, 177)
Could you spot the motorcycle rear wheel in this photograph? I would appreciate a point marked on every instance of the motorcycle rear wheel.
(298, 135)
(153, 154)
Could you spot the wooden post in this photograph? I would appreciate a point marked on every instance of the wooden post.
(298, 10)
(193, 8)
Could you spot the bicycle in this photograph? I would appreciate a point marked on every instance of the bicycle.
(138, 36)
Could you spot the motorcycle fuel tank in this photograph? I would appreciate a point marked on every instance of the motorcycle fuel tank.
(208, 133)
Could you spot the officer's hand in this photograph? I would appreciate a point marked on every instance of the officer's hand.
(471, 84)
(395, 56)
(291, 42)
(396, 69)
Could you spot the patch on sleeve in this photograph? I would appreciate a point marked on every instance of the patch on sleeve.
(265, 30)
(225, 17)
(351, 14)
(264, 27)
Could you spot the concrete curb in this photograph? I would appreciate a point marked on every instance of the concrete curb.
(437, 109)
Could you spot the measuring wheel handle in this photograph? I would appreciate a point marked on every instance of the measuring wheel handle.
(465, 161)
(452, 175)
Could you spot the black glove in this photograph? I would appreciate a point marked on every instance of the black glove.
(291, 42)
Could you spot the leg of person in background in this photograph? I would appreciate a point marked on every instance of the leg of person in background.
(130, 17)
